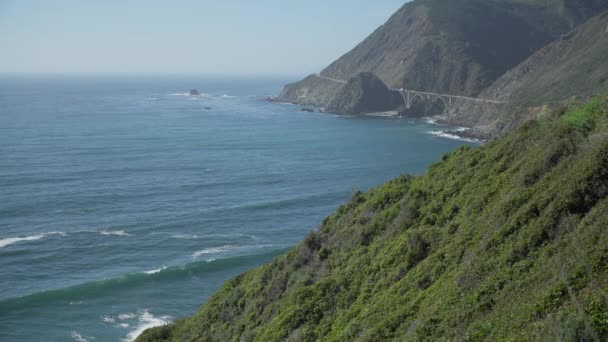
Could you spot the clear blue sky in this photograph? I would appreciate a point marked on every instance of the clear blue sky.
(207, 36)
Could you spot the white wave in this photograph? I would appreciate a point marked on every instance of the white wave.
(387, 114)
(180, 94)
(430, 120)
(112, 320)
(226, 96)
(108, 319)
(156, 270)
(152, 98)
(443, 134)
(146, 321)
(210, 260)
(214, 250)
(77, 337)
(114, 233)
(9, 241)
(76, 303)
(228, 248)
(185, 236)
(122, 317)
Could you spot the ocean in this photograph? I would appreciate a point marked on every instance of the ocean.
(125, 202)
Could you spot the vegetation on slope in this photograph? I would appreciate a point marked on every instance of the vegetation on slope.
(505, 241)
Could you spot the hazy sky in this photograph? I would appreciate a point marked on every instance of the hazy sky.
(209, 36)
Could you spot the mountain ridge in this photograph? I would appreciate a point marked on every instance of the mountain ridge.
(457, 47)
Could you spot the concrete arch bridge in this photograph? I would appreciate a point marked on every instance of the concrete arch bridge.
(411, 97)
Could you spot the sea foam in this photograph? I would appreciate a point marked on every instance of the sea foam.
(146, 321)
(214, 250)
(114, 232)
(155, 271)
(77, 337)
(9, 241)
(443, 134)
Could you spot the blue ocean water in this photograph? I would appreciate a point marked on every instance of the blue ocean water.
(125, 202)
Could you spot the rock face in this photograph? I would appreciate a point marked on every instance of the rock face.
(311, 91)
(364, 93)
(458, 47)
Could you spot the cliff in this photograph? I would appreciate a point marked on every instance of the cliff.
(458, 47)
(507, 241)
(364, 93)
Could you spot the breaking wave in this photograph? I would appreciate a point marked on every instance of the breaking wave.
(9, 241)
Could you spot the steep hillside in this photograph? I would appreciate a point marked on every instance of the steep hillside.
(455, 46)
(364, 93)
(504, 241)
(574, 65)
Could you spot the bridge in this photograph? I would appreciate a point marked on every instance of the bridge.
(411, 97)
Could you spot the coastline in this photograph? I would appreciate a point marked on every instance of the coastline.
(468, 134)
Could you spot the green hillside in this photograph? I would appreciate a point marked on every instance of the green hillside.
(508, 241)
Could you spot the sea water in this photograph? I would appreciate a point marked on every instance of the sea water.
(125, 202)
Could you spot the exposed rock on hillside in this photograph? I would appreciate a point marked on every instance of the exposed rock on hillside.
(311, 91)
(364, 93)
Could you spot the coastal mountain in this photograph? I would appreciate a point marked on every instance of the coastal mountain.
(458, 47)
(502, 242)
(364, 93)
(575, 65)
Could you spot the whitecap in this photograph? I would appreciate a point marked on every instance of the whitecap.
(227, 248)
(214, 250)
(430, 120)
(146, 321)
(114, 233)
(77, 337)
(185, 236)
(226, 96)
(122, 317)
(9, 241)
(156, 270)
(108, 319)
(123, 325)
(443, 134)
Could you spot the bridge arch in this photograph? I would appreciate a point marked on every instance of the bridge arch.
(414, 97)
(438, 99)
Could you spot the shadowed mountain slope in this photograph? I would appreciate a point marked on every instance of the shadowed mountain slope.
(457, 47)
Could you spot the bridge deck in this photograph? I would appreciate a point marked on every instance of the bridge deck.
(424, 92)
(449, 96)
